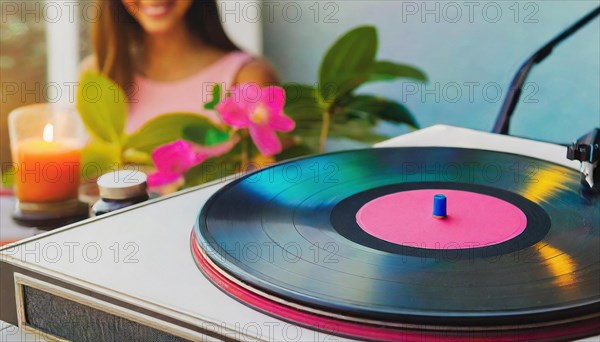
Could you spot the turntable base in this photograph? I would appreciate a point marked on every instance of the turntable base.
(133, 269)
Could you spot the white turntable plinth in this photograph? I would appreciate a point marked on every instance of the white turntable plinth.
(141, 256)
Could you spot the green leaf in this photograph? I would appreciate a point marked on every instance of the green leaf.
(356, 130)
(194, 134)
(365, 106)
(102, 106)
(379, 71)
(214, 168)
(99, 157)
(216, 97)
(302, 105)
(351, 55)
(302, 102)
(165, 129)
(297, 92)
(201, 135)
(386, 70)
(134, 156)
(215, 137)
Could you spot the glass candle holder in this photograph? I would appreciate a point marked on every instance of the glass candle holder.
(46, 142)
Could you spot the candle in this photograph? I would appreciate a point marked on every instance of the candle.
(47, 169)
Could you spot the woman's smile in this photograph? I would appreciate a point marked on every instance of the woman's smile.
(156, 9)
(158, 16)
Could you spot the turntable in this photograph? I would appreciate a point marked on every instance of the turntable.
(444, 233)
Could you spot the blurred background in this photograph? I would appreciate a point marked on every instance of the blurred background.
(469, 50)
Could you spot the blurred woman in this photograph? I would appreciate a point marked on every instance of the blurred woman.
(167, 54)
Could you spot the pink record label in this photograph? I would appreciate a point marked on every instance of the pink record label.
(474, 220)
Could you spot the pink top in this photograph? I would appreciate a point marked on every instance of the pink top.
(152, 98)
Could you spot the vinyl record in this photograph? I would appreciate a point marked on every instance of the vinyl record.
(351, 235)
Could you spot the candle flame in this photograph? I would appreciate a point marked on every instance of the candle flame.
(48, 134)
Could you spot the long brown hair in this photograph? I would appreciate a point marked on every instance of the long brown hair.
(117, 32)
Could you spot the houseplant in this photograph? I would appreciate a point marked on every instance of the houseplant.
(178, 146)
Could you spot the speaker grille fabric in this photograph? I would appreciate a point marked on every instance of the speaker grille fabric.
(76, 322)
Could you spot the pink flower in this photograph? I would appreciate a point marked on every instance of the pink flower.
(261, 111)
(172, 160)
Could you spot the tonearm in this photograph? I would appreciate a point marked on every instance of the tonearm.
(587, 150)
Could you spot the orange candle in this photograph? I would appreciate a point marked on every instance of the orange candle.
(47, 170)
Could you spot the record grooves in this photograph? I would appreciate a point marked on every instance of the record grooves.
(287, 240)
(555, 330)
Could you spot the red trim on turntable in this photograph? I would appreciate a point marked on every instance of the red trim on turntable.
(371, 332)
(474, 219)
